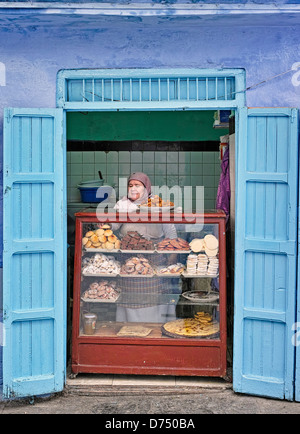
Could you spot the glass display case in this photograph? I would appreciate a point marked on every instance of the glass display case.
(150, 298)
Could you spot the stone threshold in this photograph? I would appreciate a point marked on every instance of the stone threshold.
(104, 384)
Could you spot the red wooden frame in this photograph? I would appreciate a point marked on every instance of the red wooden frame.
(155, 356)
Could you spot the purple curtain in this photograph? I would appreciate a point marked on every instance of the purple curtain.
(223, 195)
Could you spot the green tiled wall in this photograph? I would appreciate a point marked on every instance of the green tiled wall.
(163, 168)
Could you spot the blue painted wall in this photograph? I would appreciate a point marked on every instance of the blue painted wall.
(34, 46)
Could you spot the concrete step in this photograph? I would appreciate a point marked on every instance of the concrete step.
(103, 384)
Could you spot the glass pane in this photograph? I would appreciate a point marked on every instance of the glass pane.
(150, 281)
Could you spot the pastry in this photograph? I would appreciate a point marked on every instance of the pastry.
(84, 240)
(102, 290)
(173, 244)
(99, 232)
(211, 252)
(112, 239)
(197, 245)
(202, 325)
(94, 238)
(134, 241)
(157, 201)
(172, 269)
(100, 264)
(137, 265)
(101, 239)
(211, 242)
(109, 245)
(134, 331)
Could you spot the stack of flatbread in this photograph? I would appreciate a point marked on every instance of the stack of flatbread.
(209, 244)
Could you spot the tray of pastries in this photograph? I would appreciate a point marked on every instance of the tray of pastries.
(100, 265)
(156, 204)
(169, 245)
(101, 240)
(201, 326)
(137, 266)
(172, 270)
(134, 242)
(102, 292)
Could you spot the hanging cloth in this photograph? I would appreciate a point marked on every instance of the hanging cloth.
(223, 195)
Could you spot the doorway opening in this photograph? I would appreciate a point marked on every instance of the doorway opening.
(172, 147)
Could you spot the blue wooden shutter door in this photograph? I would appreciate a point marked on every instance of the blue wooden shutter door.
(34, 257)
(266, 252)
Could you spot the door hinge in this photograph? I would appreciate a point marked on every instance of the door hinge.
(8, 115)
(294, 116)
(4, 315)
(7, 189)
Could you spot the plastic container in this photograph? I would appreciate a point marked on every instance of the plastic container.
(90, 191)
(93, 182)
(89, 323)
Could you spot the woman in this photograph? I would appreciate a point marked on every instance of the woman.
(146, 292)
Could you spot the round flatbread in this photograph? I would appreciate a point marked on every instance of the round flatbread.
(210, 253)
(211, 242)
(201, 325)
(197, 245)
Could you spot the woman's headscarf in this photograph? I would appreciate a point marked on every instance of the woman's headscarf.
(142, 177)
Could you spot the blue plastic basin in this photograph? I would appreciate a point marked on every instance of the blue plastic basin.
(89, 193)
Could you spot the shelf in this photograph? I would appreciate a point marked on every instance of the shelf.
(153, 298)
(108, 329)
(166, 275)
(137, 275)
(100, 275)
(100, 300)
(135, 252)
(107, 251)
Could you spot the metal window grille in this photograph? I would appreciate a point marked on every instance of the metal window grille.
(150, 89)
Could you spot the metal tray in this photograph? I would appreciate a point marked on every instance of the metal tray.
(100, 274)
(197, 296)
(99, 300)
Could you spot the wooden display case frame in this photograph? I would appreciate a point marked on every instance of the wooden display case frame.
(158, 355)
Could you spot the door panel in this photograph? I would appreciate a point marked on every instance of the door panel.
(34, 257)
(265, 252)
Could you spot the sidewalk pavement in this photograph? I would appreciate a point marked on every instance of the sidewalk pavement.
(145, 395)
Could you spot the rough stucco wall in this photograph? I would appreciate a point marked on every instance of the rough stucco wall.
(32, 56)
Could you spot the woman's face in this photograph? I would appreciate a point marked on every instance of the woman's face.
(135, 189)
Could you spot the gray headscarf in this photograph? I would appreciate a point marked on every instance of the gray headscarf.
(142, 177)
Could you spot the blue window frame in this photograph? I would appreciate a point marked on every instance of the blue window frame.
(150, 89)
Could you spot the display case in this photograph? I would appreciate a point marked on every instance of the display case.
(150, 297)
